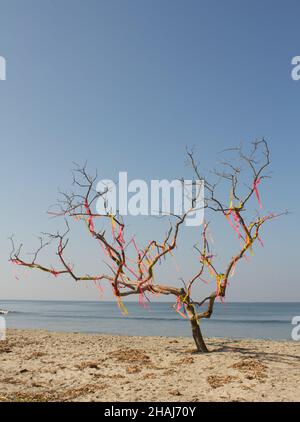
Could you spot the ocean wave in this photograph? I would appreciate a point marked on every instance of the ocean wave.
(149, 318)
(8, 312)
(252, 321)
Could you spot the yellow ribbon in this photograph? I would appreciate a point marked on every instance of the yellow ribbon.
(219, 278)
(122, 306)
(113, 223)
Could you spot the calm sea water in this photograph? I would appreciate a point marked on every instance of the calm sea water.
(236, 320)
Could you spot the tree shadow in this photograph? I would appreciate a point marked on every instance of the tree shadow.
(252, 352)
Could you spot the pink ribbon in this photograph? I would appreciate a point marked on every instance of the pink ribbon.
(236, 221)
(255, 183)
(90, 218)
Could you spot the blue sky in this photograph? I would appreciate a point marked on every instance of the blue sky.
(127, 85)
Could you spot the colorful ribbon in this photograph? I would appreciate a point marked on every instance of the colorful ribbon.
(255, 183)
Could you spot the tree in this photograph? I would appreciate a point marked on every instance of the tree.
(125, 280)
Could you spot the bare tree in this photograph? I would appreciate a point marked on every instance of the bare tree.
(135, 276)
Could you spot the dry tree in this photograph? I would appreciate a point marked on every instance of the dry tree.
(135, 276)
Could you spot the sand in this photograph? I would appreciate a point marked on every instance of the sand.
(38, 365)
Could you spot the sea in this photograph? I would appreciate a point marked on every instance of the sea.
(235, 320)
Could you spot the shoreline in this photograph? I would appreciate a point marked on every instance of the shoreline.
(188, 336)
(41, 365)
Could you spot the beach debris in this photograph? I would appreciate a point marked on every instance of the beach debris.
(175, 392)
(150, 375)
(186, 360)
(35, 355)
(216, 381)
(53, 395)
(133, 369)
(4, 348)
(131, 355)
(253, 368)
(85, 365)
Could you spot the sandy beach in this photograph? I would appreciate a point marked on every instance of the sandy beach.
(37, 365)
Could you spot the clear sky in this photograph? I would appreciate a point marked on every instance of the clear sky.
(127, 85)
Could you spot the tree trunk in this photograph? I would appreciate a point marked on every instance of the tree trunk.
(197, 335)
(201, 346)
